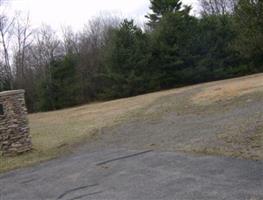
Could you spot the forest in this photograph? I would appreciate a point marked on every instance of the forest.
(114, 58)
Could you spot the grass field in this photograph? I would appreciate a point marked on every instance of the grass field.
(57, 133)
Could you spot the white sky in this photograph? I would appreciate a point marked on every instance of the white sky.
(76, 13)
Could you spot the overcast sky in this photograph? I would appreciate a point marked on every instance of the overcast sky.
(76, 13)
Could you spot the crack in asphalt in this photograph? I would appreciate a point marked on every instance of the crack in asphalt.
(90, 194)
(123, 157)
(75, 189)
(28, 181)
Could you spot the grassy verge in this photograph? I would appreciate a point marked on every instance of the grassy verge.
(55, 133)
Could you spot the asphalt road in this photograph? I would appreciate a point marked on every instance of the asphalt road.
(121, 174)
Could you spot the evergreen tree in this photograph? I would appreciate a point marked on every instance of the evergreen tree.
(160, 8)
(126, 60)
(172, 41)
(216, 56)
(249, 17)
(63, 91)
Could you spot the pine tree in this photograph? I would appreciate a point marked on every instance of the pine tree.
(162, 7)
(126, 60)
(249, 17)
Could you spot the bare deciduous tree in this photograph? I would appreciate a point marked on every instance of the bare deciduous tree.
(92, 40)
(47, 48)
(216, 7)
(6, 33)
(70, 41)
(23, 35)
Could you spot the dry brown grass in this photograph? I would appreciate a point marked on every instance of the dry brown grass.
(54, 133)
(225, 90)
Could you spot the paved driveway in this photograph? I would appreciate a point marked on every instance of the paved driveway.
(120, 165)
(121, 174)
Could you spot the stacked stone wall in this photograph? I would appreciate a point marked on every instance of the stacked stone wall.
(14, 130)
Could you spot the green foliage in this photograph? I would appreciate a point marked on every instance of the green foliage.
(172, 48)
(249, 42)
(161, 8)
(215, 46)
(179, 49)
(126, 61)
(61, 88)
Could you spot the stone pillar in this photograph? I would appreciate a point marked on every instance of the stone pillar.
(14, 130)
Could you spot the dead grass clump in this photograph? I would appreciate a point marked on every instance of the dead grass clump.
(225, 90)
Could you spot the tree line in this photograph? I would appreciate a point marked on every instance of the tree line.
(114, 58)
